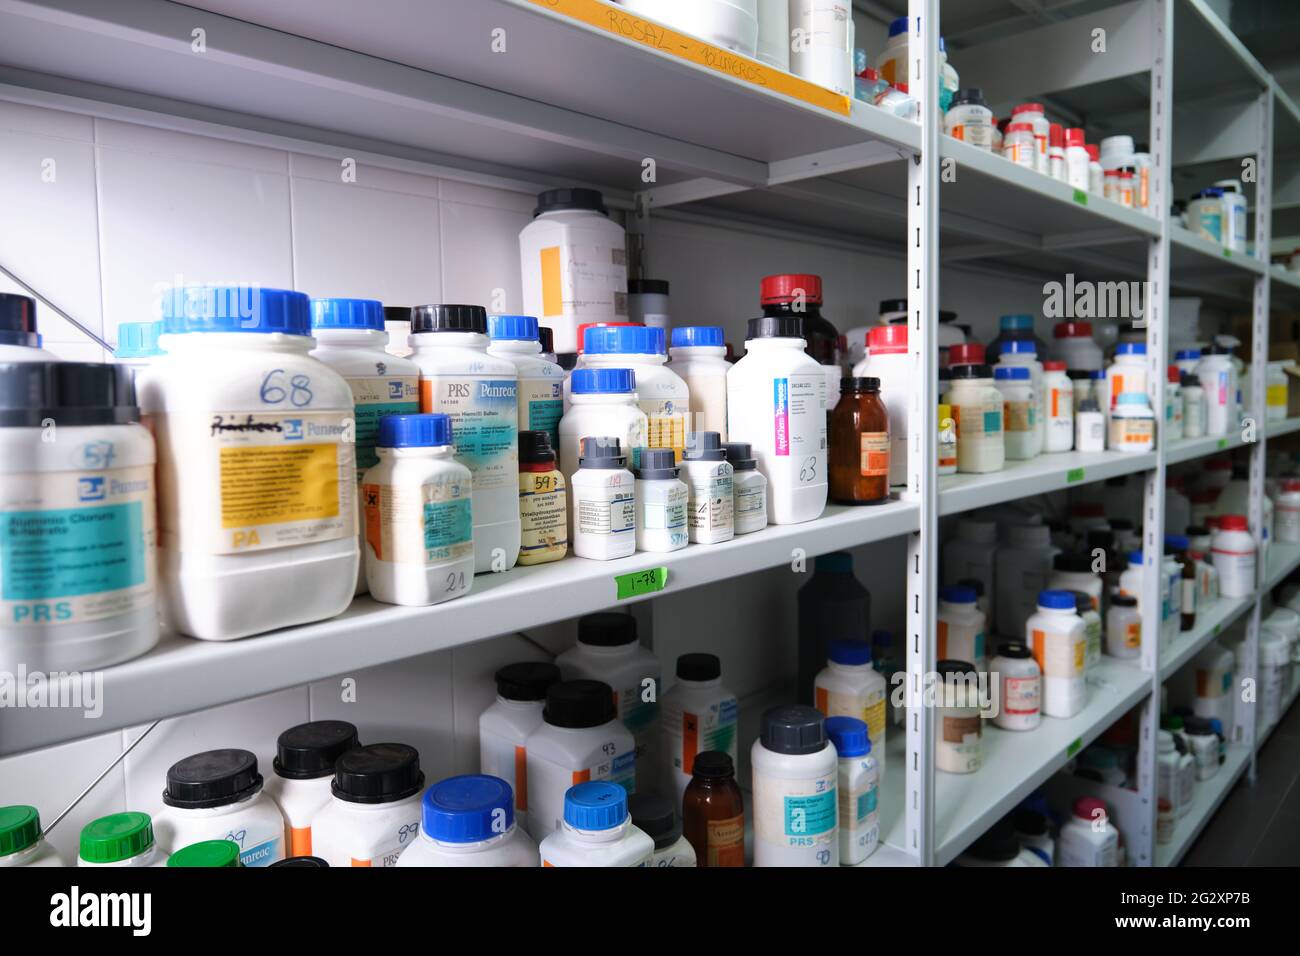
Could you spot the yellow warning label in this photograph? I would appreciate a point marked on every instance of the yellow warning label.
(552, 288)
(273, 484)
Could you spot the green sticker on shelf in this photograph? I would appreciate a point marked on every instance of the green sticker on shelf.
(1074, 748)
(1073, 475)
(641, 582)
(1223, 443)
(1227, 253)
(1081, 197)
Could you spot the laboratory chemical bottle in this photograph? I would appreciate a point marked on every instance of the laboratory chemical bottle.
(208, 854)
(1187, 579)
(603, 404)
(959, 730)
(1089, 427)
(1024, 567)
(19, 339)
(1093, 629)
(470, 821)
(543, 501)
(698, 355)
(375, 812)
(656, 817)
(1059, 399)
(749, 489)
(420, 547)
(661, 502)
(960, 627)
(596, 830)
(859, 444)
(798, 296)
(888, 363)
(834, 604)
(776, 401)
(1215, 698)
(970, 553)
(648, 303)
(539, 397)
(796, 780)
(477, 391)
(1123, 627)
(504, 728)
(858, 784)
(604, 502)
(1020, 687)
(304, 773)
(1233, 552)
(710, 510)
(397, 323)
(21, 843)
(1059, 641)
(697, 714)
(1023, 437)
(1032, 829)
(120, 839)
(977, 412)
(713, 811)
(1088, 838)
(849, 686)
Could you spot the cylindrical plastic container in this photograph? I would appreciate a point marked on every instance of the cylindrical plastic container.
(960, 627)
(969, 119)
(1195, 410)
(469, 821)
(1218, 378)
(1020, 686)
(798, 297)
(604, 404)
(1088, 838)
(217, 793)
(1034, 115)
(698, 356)
(1274, 675)
(1234, 556)
(647, 303)
(1287, 524)
(1035, 836)
(774, 35)
(539, 398)
(731, 24)
(1173, 404)
(970, 554)
(573, 260)
(120, 839)
(696, 715)
(710, 512)
(850, 687)
(1024, 567)
(1059, 641)
(1167, 771)
(1023, 437)
(796, 782)
(977, 411)
(1093, 628)
(749, 488)
(604, 502)
(1073, 572)
(504, 728)
(1126, 373)
(304, 770)
(19, 340)
(374, 814)
(543, 501)
(1019, 145)
(1204, 743)
(656, 817)
(1276, 391)
(1023, 353)
(1059, 398)
(596, 830)
(887, 361)
(1074, 346)
(1123, 627)
(1132, 424)
(21, 843)
(713, 812)
(859, 822)
(661, 502)
(776, 401)
(958, 743)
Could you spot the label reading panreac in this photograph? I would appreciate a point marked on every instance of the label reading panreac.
(75, 546)
(376, 396)
(484, 419)
(424, 525)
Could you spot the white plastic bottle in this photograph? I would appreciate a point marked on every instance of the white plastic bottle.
(971, 554)
(1076, 158)
(573, 261)
(419, 521)
(1089, 427)
(776, 401)
(655, 816)
(697, 714)
(1126, 373)
(77, 533)
(1218, 378)
(539, 398)
(1173, 404)
(661, 502)
(603, 404)
(218, 795)
(604, 502)
(796, 781)
(350, 339)
(459, 379)
(1023, 353)
(1234, 556)
(397, 323)
(1132, 425)
(504, 728)
(887, 360)
(857, 786)
(304, 772)
(607, 650)
(21, 843)
(977, 411)
(1059, 641)
(710, 513)
(826, 55)
(120, 839)
(580, 739)
(960, 627)
(698, 356)
(1194, 409)
(749, 489)
(470, 821)
(1020, 686)
(596, 830)
(256, 469)
(1073, 344)
(849, 686)
(1073, 572)
(1036, 116)
(1167, 772)
(374, 814)
(1019, 412)
(1088, 838)
(774, 34)
(1123, 627)
(958, 745)
(1059, 399)
(1024, 566)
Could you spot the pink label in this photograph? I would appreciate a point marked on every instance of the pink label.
(781, 414)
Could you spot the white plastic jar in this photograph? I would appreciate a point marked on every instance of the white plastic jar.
(397, 323)
(469, 821)
(960, 627)
(696, 715)
(539, 397)
(1123, 627)
(698, 356)
(77, 532)
(849, 686)
(1020, 146)
(1234, 556)
(1023, 353)
(596, 830)
(1088, 838)
(1287, 524)
(1173, 404)
(573, 261)
(1058, 393)
(504, 728)
(19, 339)
(1274, 675)
(661, 502)
(1023, 436)
(825, 56)
(604, 502)
(969, 119)
(1194, 407)
(774, 33)
(748, 487)
(1205, 216)
(304, 771)
(795, 786)
(887, 360)
(859, 822)
(1074, 346)
(120, 839)
(218, 795)
(580, 739)
(776, 401)
(731, 24)
(1033, 114)
(977, 412)
(1132, 424)
(970, 554)
(1024, 567)
(1076, 158)
(1059, 640)
(419, 522)
(1126, 373)
(1020, 687)
(1168, 766)
(374, 814)
(710, 514)
(656, 817)
(21, 843)
(477, 391)
(1276, 390)
(892, 62)
(1204, 743)
(1073, 572)
(350, 339)
(1093, 628)
(236, 398)
(1218, 378)
(959, 731)
(603, 404)
(1130, 583)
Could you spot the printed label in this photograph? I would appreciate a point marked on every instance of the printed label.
(874, 459)
(1019, 416)
(255, 854)
(484, 419)
(374, 397)
(76, 546)
(540, 405)
(425, 525)
(543, 515)
(870, 708)
(752, 501)
(798, 419)
(667, 515)
(614, 512)
(711, 505)
(1275, 396)
(798, 814)
(857, 807)
(282, 479)
(726, 841)
(1133, 635)
(667, 420)
(585, 280)
(1131, 431)
(1062, 656)
(688, 734)
(389, 850)
(548, 782)
(1021, 695)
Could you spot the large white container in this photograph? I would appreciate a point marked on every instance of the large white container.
(350, 339)
(375, 811)
(849, 686)
(698, 357)
(774, 33)
(731, 24)
(604, 405)
(459, 379)
(710, 512)
(1020, 410)
(504, 728)
(469, 821)
(796, 782)
(596, 830)
(977, 411)
(858, 784)
(236, 398)
(823, 53)
(776, 401)
(1218, 378)
(969, 554)
(20, 839)
(1020, 687)
(120, 839)
(573, 261)
(77, 534)
(1024, 567)
(698, 714)
(1060, 644)
(304, 772)
(1215, 692)
(1233, 554)
(604, 502)
(887, 360)
(1074, 346)
(960, 627)
(539, 398)
(1088, 838)
(218, 795)
(19, 340)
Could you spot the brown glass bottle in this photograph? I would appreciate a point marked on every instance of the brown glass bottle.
(713, 811)
(1178, 547)
(859, 444)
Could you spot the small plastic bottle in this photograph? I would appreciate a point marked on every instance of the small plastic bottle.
(1132, 424)
(661, 502)
(469, 821)
(604, 502)
(120, 839)
(796, 779)
(960, 627)
(375, 811)
(1088, 838)
(710, 514)
(596, 831)
(859, 444)
(969, 119)
(713, 812)
(947, 440)
(543, 501)
(850, 687)
(21, 843)
(958, 745)
(696, 715)
(304, 770)
(1186, 584)
(1020, 687)
(858, 784)
(539, 400)
(1019, 412)
(1194, 413)
(1173, 404)
(1123, 627)
(1234, 556)
(698, 356)
(977, 410)
(603, 403)
(1059, 397)
(1167, 790)
(504, 728)
(748, 487)
(1059, 641)
(654, 816)
(1092, 628)
(1089, 427)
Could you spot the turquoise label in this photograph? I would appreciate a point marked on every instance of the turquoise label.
(544, 416)
(484, 427)
(810, 815)
(68, 552)
(261, 855)
(993, 421)
(367, 426)
(446, 523)
(623, 771)
(867, 804)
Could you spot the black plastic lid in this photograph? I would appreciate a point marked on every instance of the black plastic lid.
(579, 703)
(998, 844)
(850, 384)
(699, 667)
(793, 729)
(944, 668)
(310, 750)
(1073, 563)
(1100, 538)
(1078, 374)
(945, 375)
(213, 778)
(1030, 823)
(654, 815)
(69, 393)
(741, 455)
(971, 94)
(535, 448)
(1082, 601)
(1123, 600)
(704, 446)
(1196, 531)
(775, 327)
(975, 584)
(893, 305)
(713, 765)
(392, 313)
(1200, 726)
(947, 315)
(1120, 524)
(378, 773)
(647, 287)
(546, 336)
(602, 453)
(557, 200)
(970, 371)
(656, 464)
(301, 861)
(449, 318)
(18, 320)
(1016, 649)
(607, 629)
(527, 680)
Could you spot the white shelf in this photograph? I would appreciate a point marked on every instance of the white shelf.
(1210, 622)
(1020, 479)
(1275, 429)
(1189, 448)
(1282, 560)
(1206, 799)
(182, 675)
(1286, 708)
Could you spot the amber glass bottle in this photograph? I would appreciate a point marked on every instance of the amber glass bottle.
(713, 811)
(859, 444)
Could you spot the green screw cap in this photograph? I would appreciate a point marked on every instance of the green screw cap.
(210, 853)
(20, 827)
(116, 837)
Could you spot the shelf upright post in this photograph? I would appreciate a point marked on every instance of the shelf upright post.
(1141, 846)
(922, 479)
